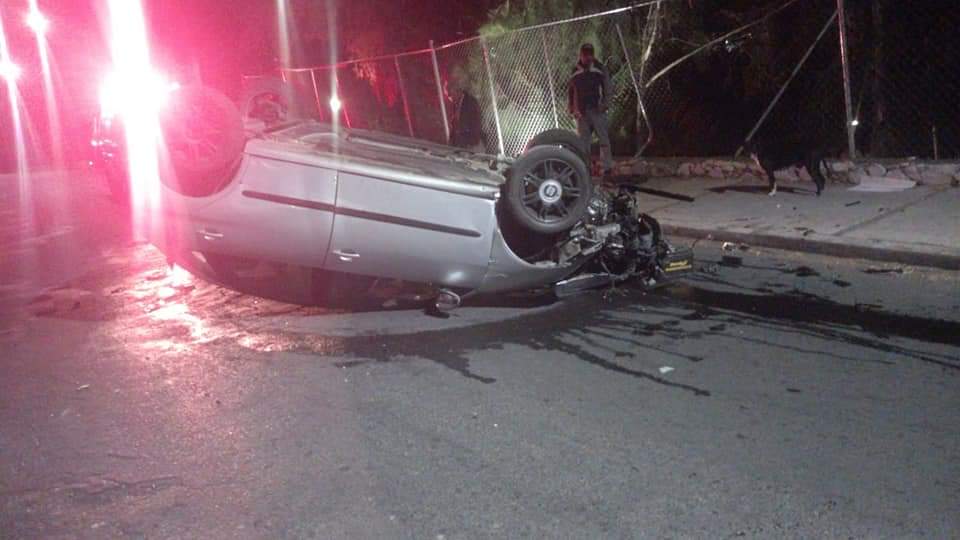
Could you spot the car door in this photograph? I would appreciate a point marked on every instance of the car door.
(400, 230)
(277, 211)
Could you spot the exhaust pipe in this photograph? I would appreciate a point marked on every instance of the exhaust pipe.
(447, 301)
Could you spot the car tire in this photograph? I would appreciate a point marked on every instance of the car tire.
(564, 139)
(204, 137)
(548, 190)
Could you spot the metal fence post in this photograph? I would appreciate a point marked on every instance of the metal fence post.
(316, 92)
(343, 104)
(636, 87)
(549, 64)
(443, 101)
(493, 95)
(403, 96)
(847, 92)
(796, 69)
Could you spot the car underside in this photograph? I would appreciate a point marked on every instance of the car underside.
(378, 206)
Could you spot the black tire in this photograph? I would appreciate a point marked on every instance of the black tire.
(204, 136)
(274, 101)
(564, 139)
(548, 190)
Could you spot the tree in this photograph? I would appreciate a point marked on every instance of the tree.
(525, 63)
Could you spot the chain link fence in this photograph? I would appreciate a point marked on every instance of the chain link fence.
(908, 64)
(687, 80)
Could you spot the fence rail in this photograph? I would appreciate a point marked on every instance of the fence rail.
(829, 73)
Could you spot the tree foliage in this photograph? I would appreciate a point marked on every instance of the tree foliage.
(707, 103)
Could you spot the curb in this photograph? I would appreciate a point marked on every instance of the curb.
(834, 248)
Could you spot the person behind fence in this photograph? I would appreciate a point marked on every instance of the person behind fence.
(467, 131)
(589, 95)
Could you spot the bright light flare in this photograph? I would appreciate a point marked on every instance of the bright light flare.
(336, 104)
(283, 32)
(38, 22)
(9, 70)
(133, 92)
(126, 95)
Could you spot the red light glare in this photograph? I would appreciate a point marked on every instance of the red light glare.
(135, 92)
(38, 22)
(148, 91)
(9, 70)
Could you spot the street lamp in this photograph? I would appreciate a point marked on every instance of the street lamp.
(9, 71)
(38, 22)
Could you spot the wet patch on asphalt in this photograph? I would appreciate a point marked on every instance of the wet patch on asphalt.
(162, 311)
(803, 271)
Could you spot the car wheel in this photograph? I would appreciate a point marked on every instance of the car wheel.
(204, 136)
(564, 139)
(548, 190)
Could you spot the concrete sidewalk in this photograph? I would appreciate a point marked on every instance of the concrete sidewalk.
(919, 226)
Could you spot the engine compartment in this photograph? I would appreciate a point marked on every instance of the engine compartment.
(614, 239)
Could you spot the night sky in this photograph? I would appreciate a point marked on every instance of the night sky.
(905, 94)
(243, 38)
(221, 40)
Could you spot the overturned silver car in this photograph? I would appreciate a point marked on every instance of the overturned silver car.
(371, 205)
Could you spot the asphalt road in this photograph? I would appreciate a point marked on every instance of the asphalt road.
(771, 395)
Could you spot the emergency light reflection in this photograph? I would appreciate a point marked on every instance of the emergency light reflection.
(133, 78)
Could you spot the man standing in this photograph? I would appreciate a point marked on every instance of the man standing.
(589, 96)
(467, 129)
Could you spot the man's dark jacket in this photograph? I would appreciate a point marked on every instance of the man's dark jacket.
(589, 87)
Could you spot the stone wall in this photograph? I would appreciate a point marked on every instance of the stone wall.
(921, 172)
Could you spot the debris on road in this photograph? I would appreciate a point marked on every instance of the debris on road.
(156, 275)
(805, 271)
(665, 369)
(879, 270)
(731, 246)
(882, 184)
(854, 203)
(83, 387)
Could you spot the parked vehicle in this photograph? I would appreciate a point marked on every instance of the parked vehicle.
(360, 203)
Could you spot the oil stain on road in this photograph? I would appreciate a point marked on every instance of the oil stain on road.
(165, 311)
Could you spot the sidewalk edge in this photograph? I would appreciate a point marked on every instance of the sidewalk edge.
(834, 248)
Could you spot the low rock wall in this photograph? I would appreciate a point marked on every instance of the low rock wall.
(921, 172)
